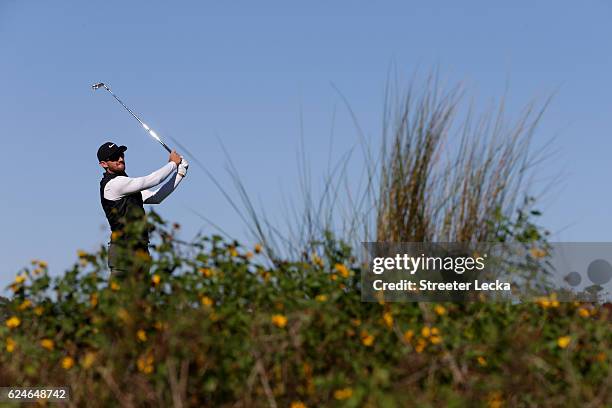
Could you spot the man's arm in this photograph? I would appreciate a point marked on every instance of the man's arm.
(121, 186)
(157, 196)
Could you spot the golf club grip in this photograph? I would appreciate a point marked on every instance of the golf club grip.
(165, 147)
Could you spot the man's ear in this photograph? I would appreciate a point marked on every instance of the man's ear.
(104, 165)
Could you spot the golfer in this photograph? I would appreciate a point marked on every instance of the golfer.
(123, 200)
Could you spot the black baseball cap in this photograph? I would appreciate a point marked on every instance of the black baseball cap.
(109, 149)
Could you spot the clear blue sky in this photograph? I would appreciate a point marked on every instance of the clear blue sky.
(242, 72)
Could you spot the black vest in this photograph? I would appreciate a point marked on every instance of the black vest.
(125, 216)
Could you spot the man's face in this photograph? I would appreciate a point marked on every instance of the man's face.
(114, 164)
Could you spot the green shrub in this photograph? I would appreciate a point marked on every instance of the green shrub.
(216, 324)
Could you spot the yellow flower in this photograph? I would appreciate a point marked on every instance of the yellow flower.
(495, 400)
(81, 253)
(67, 363)
(114, 286)
(206, 301)
(435, 331)
(142, 255)
(553, 300)
(142, 335)
(155, 279)
(548, 301)
(333, 276)
(20, 279)
(408, 335)
(161, 326)
(435, 339)
(25, 304)
(257, 248)
(115, 235)
(88, 359)
(537, 253)
(298, 404)
(482, 361)
(583, 312)
(440, 310)
(10, 345)
(367, 339)
(43, 264)
(248, 255)
(38, 310)
(47, 344)
(321, 298)
(279, 320)
(425, 331)
(564, 341)
(93, 299)
(37, 271)
(145, 364)
(233, 253)
(342, 270)
(344, 393)
(420, 346)
(13, 322)
(124, 315)
(356, 322)
(206, 272)
(317, 260)
(543, 301)
(388, 319)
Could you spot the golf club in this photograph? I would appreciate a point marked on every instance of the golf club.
(150, 131)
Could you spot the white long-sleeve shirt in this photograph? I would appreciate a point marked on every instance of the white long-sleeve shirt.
(121, 186)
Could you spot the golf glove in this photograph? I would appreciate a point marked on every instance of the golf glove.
(182, 167)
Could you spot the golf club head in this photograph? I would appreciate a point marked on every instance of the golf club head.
(97, 86)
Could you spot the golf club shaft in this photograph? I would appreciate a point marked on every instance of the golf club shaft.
(150, 131)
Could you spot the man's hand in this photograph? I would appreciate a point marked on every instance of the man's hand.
(175, 157)
(182, 167)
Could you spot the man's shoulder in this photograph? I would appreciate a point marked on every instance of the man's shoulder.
(114, 180)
